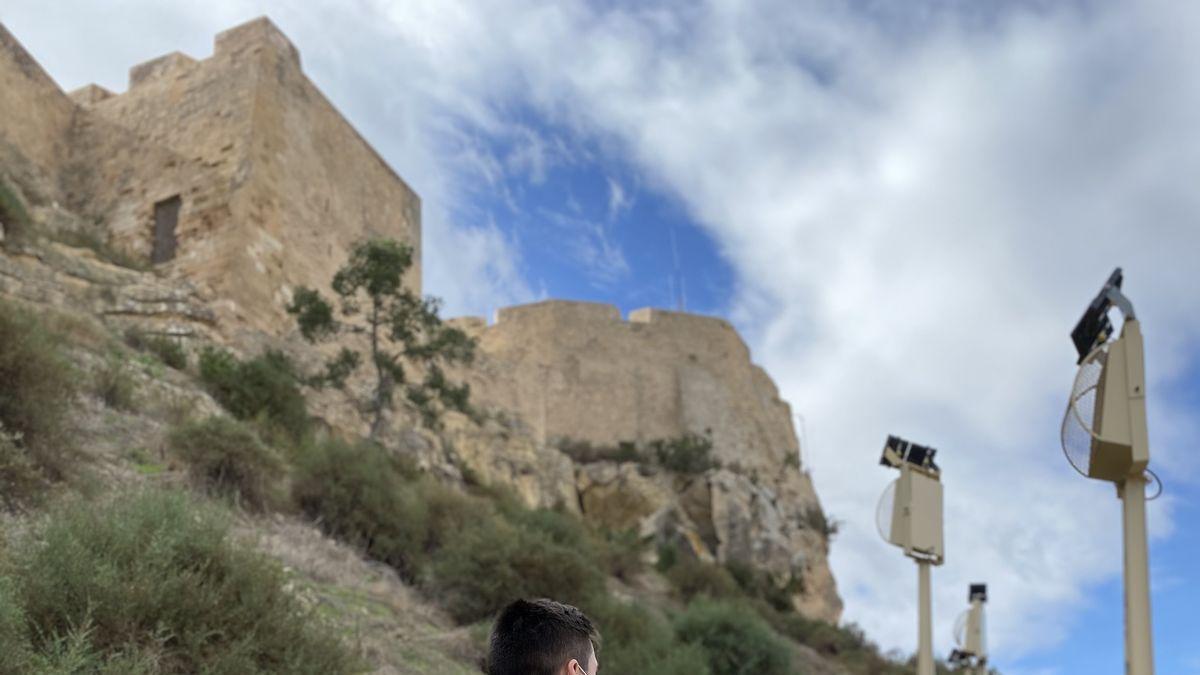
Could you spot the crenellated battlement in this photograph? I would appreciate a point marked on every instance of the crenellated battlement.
(254, 36)
(167, 65)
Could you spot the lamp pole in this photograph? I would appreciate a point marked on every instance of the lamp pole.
(925, 620)
(1139, 650)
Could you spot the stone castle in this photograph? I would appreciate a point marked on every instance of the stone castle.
(235, 180)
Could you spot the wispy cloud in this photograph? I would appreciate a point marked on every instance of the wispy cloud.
(589, 244)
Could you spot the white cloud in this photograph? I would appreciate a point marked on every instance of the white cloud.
(916, 214)
(916, 206)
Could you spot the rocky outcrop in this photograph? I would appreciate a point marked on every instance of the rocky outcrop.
(580, 378)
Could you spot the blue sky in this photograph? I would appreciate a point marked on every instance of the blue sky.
(903, 210)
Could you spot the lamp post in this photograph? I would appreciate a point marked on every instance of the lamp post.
(970, 634)
(915, 525)
(1104, 437)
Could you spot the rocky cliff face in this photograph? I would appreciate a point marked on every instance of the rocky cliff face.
(613, 394)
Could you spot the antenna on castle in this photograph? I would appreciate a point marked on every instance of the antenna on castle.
(1104, 437)
(678, 294)
(909, 515)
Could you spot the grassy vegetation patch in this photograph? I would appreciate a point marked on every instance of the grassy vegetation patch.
(167, 350)
(227, 458)
(37, 392)
(265, 388)
(151, 582)
(735, 639)
(13, 214)
(688, 454)
(635, 640)
(114, 383)
(97, 242)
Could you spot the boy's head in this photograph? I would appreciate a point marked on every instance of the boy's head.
(543, 637)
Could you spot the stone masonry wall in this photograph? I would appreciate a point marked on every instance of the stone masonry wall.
(35, 120)
(275, 185)
(575, 371)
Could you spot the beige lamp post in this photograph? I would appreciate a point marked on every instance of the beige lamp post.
(910, 516)
(970, 634)
(1104, 437)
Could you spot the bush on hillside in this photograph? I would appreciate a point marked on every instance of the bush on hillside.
(757, 583)
(359, 494)
(735, 639)
(487, 565)
(15, 218)
(635, 640)
(114, 383)
(690, 454)
(227, 458)
(167, 350)
(37, 391)
(265, 387)
(585, 452)
(692, 578)
(153, 579)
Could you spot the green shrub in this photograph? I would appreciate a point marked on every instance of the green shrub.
(757, 583)
(635, 640)
(153, 581)
(814, 518)
(584, 452)
(20, 477)
(690, 454)
(36, 394)
(12, 214)
(691, 578)
(736, 640)
(227, 458)
(114, 384)
(97, 242)
(361, 495)
(624, 553)
(265, 387)
(167, 350)
(487, 565)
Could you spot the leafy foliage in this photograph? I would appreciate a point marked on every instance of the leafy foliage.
(264, 388)
(227, 457)
(114, 384)
(401, 327)
(38, 386)
(689, 454)
(12, 214)
(167, 350)
(359, 494)
(488, 565)
(736, 640)
(635, 640)
(152, 583)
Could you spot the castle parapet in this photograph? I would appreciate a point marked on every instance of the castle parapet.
(163, 66)
(254, 35)
(559, 310)
(89, 95)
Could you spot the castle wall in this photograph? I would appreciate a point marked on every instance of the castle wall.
(275, 185)
(576, 370)
(35, 118)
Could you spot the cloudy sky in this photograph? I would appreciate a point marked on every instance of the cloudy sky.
(904, 208)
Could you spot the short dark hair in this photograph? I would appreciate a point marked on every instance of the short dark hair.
(536, 637)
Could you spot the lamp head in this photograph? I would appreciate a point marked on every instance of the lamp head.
(897, 451)
(1094, 327)
(977, 592)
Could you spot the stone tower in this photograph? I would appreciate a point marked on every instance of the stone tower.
(233, 171)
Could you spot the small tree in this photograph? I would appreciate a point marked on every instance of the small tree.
(402, 328)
